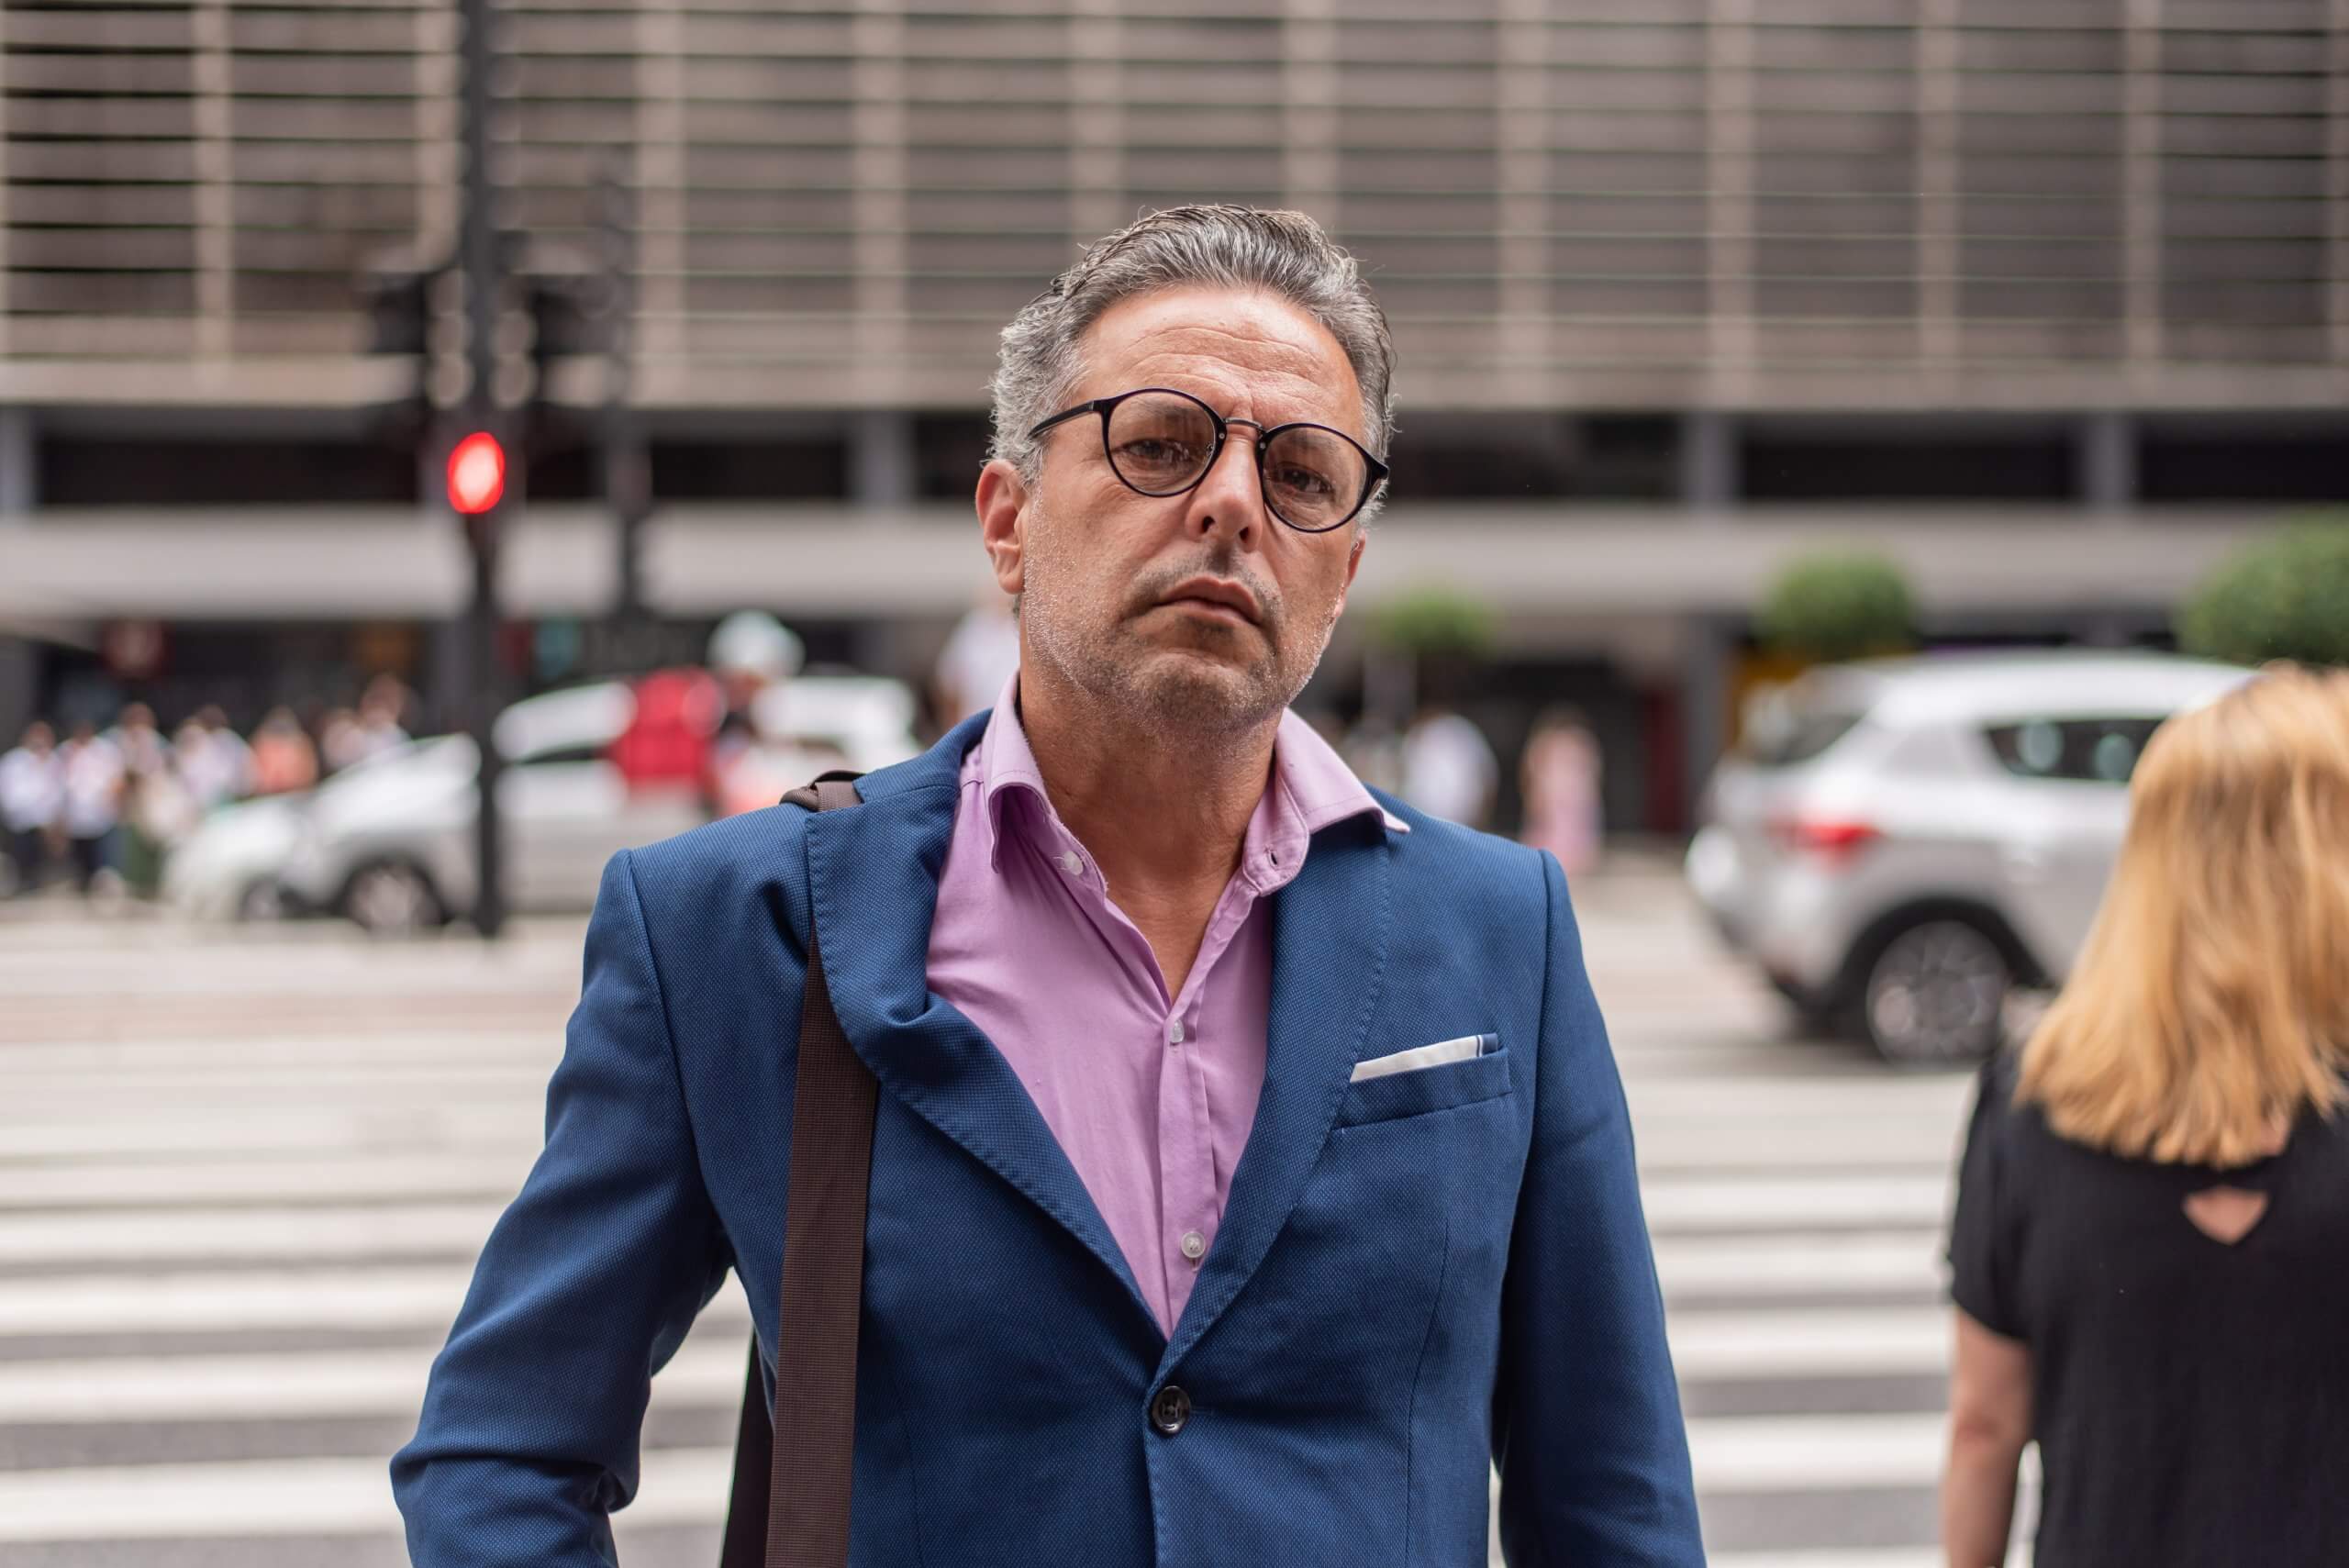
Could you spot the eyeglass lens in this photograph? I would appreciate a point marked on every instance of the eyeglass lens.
(1160, 444)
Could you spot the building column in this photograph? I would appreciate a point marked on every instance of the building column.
(19, 497)
(1709, 477)
(19, 459)
(19, 687)
(1707, 641)
(2107, 462)
(881, 460)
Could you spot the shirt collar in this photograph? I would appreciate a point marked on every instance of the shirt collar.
(1312, 787)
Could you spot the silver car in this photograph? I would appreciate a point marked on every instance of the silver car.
(392, 845)
(1903, 844)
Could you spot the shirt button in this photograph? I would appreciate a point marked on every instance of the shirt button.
(1170, 1410)
(1073, 863)
(1194, 1246)
(1175, 1032)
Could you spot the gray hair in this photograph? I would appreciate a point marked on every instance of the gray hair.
(1283, 253)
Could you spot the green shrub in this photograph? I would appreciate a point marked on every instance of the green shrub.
(2286, 597)
(1839, 606)
(1434, 621)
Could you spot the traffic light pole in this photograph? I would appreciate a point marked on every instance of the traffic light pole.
(478, 260)
(627, 466)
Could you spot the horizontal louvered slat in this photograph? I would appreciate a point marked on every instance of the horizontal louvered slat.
(1582, 188)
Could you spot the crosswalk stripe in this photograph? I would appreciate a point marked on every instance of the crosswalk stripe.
(1735, 1141)
(245, 1300)
(292, 1497)
(283, 1384)
(215, 1302)
(148, 1134)
(423, 1174)
(66, 1059)
(1801, 1262)
(296, 1234)
(1754, 1344)
(229, 1084)
(1793, 1453)
(1769, 1101)
(1677, 1202)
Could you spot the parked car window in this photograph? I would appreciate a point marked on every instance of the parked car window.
(1783, 737)
(2085, 750)
(583, 753)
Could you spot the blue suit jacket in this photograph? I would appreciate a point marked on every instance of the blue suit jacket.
(1415, 1274)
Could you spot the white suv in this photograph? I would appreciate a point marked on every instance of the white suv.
(1901, 844)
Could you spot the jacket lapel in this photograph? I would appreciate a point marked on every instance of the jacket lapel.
(1330, 940)
(872, 874)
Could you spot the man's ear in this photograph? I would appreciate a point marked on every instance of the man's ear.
(1002, 503)
(1354, 563)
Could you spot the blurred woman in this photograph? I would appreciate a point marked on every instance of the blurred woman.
(283, 758)
(1560, 778)
(2151, 1244)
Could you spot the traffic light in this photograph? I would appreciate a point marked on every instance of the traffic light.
(448, 341)
(397, 295)
(476, 475)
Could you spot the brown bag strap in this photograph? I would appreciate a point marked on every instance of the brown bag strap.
(802, 1455)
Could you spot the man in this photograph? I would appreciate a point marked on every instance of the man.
(32, 799)
(95, 777)
(1249, 1169)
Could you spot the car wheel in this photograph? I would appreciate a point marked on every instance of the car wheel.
(262, 901)
(392, 898)
(1936, 996)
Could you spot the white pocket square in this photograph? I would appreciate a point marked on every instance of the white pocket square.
(1418, 1056)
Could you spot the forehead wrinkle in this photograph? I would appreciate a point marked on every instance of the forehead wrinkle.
(1251, 355)
(1271, 395)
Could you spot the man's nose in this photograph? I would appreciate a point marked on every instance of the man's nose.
(1230, 499)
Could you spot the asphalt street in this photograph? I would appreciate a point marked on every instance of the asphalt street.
(244, 1175)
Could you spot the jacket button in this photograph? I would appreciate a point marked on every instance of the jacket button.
(1170, 1410)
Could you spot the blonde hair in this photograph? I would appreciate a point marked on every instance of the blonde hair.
(2210, 1004)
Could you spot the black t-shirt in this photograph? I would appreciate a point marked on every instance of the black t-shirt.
(2190, 1398)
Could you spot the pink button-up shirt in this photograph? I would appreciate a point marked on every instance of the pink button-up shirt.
(1150, 1096)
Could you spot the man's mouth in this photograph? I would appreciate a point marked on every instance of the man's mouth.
(1216, 598)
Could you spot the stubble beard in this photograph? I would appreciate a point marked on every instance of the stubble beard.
(1159, 684)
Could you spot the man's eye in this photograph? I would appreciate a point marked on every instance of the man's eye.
(1304, 481)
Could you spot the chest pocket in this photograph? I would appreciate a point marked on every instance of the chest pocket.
(1446, 1085)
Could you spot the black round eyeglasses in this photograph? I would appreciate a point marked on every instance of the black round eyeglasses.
(1163, 442)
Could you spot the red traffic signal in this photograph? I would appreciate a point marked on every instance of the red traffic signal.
(476, 473)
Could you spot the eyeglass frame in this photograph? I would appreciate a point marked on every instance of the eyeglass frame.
(1374, 473)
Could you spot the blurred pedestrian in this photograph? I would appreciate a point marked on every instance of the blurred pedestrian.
(1560, 777)
(284, 760)
(981, 655)
(2151, 1243)
(340, 742)
(93, 775)
(137, 741)
(348, 737)
(753, 654)
(32, 802)
(382, 713)
(213, 763)
(153, 810)
(1449, 768)
(1136, 919)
